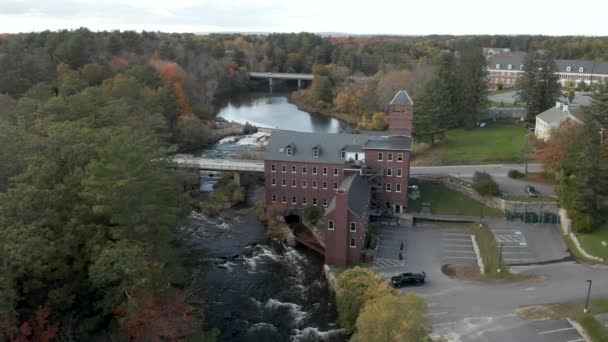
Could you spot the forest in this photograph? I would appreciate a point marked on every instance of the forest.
(89, 212)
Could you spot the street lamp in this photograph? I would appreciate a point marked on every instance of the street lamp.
(481, 216)
(588, 293)
(500, 259)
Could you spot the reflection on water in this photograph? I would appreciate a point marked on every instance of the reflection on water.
(275, 111)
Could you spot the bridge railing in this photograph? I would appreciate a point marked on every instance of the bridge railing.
(222, 164)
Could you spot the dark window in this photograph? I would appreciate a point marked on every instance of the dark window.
(293, 200)
(284, 182)
(399, 157)
(315, 152)
(380, 156)
(293, 183)
(324, 185)
(304, 200)
(273, 168)
(398, 187)
(335, 172)
(274, 198)
(324, 171)
(335, 186)
(304, 184)
(399, 172)
(353, 226)
(314, 201)
(342, 154)
(293, 169)
(389, 157)
(274, 182)
(289, 151)
(389, 172)
(304, 170)
(314, 184)
(283, 168)
(284, 199)
(325, 202)
(353, 243)
(330, 225)
(388, 187)
(314, 170)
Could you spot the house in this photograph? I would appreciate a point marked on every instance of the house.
(553, 117)
(489, 52)
(350, 176)
(506, 68)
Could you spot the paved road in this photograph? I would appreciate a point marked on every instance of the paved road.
(464, 311)
(465, 171)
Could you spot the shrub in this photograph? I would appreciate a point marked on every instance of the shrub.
(485, 185)
(516, 174)
(312, 214)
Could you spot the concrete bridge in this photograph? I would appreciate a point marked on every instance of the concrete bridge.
(281, 76)
(209, 164)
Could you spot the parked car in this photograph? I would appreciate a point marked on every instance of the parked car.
(531, 191)
(407, 279)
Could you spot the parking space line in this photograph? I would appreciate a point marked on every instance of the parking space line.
(446, 323)
(453, 234)
(556, 330)
(456, 239)
(455, 251)
(437, 314)
(457, 257)
(578, 340)
(517, 259)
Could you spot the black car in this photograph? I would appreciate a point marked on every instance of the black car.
(406, 279)
(531, 191)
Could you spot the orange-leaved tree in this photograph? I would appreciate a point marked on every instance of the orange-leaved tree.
(551, 152)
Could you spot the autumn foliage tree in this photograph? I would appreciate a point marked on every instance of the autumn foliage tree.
(551, 152)
(36, 329)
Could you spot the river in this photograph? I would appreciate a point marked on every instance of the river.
(258, 289)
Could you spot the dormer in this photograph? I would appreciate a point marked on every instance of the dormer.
(568, 68)
(290, 149)
(510, 66)
(497, 66)
(343, 152)
(316, 151)
(521, 67)
(580, 69)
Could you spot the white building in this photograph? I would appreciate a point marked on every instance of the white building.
(552, 118)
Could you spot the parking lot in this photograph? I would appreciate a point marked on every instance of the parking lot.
(529, 243)
(474, 316)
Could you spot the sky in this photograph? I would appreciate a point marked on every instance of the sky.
(399, 17)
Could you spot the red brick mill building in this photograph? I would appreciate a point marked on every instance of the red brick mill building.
(351, 176)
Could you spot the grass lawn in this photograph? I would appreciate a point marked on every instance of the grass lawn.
(505, 104)
(497, 142)
(496, 92)
(448, 202)
(593, 242)
(530, 199)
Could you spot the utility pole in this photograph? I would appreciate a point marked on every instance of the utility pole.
(588, 293)
(526, 152)
(481, 216)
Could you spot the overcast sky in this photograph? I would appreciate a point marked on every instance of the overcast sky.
(403, 17)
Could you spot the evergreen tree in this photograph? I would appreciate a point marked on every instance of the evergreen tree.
(472, 91)
(538, 87)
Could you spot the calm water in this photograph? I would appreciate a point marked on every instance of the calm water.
(257, 289)
(275, 111)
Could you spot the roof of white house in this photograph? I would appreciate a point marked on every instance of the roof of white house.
(554, 116)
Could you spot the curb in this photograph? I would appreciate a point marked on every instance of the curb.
(477, 255)
(578, 328)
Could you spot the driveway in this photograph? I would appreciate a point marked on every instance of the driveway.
(508, 97)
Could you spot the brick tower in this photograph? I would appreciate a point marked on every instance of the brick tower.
(400, 113)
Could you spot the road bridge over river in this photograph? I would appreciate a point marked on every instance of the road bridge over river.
(293, 76)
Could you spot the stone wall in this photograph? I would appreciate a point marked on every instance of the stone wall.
(332, 281)
(567, 230)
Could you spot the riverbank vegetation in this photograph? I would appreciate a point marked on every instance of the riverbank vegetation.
(226, 193)
(370, 309)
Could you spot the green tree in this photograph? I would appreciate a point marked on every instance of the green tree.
(312, 214)
(354, 292)
(472, 87)
(321, 90)
(393, 318)
(538, 87)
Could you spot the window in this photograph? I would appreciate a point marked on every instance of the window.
(399, 172)
(273, 168)
(289, 151)
(389, 172)
(388, 187)
(293, 169)
(314, 170)
(399, 157)
(521, 67)
(397, 187)
(335, 172)
(353, 243)
(274, 182)
(283, 168)
(335, 186)
(314, 184)
(497, 66)
(304, 184)
(274, 198)
(342, 154)
(353, 227)
(568, 68)
(293, 200)
(325, 202)
(509, 66)
(284, 199)
(324, 185)
(315, 152)
(324, 171)
(284, 182)
(314, 201)
(304, 170)
(580, 69)
(330, 225)
(389, 157)
(304, 200)
(380, 156)
(293, 183)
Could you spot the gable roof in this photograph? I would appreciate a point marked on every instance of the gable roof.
(358, 191)
(555, 116)
(329, 144)
(402, 99)
(516, 59)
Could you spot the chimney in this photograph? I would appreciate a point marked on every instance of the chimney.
(558, 104)
(565, 108)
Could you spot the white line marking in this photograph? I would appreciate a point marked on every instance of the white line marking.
(516, 259)
(453, 245)
(580, 339)
(437, 314)
(456, 257)
(520, 253)
(455, 240)
(447, 234)
(514, 246)
(453, 251)
(438, 324)
(556, 330)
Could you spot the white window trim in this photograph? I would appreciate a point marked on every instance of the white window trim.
(324, 203)
(324, 171)
(389, 172)
(283, 168)
(335, 186)
(315, 152)
(314, 184)
(399, 172)
(304, 170)
(351, 243)
(330, 225)
(304, 183)
(380, 156)
(389, 157)
(274, 198)
(294, 183)
(398, 187)
(273, 168)
(351, 227)
(294, 200)
(314, 170)
(387, 187)
(294, 169)
(289, 151)
(283, 182)
(324, 185)
(274, 182)
(336, 172)
(399, 157)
